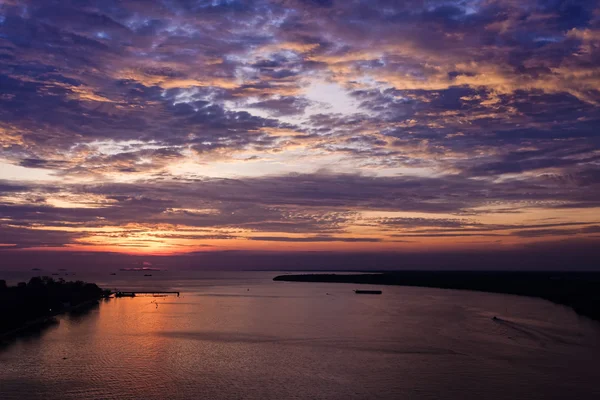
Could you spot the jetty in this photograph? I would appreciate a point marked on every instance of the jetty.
(136, 292)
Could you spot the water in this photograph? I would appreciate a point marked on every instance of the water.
(241, 335)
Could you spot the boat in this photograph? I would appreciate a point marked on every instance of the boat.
(147, 274)
(368, 291)
(112, 273)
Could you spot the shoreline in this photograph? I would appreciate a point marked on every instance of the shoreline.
(41, 323)
(578, 290)
(37, 325)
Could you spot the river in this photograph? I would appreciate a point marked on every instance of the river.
(234, 335)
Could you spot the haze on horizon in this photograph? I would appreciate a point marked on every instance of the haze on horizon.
(171, 127)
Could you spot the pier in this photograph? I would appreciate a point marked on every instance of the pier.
(136, 292)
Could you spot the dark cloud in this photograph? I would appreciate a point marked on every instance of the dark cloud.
(531, 160)
(423, 222)
(21, 237)
(282, 106)
(559, 232)
(314, 239)
(39, 163)
(295, 203)
(7, 187)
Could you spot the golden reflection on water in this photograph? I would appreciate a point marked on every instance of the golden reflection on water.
(286, 340)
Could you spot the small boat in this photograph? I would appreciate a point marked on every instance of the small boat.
(112, 273)
(368, 291)
(147, 274)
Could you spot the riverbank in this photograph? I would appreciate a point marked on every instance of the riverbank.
(578, 290)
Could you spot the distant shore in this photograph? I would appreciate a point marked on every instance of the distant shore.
(578, 290)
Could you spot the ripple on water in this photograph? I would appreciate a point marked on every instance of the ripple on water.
(290, 341)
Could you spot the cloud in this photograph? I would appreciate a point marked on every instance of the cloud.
(422, 118)
(559, 232)
(314, 239)
(283, 105)
(15, 237)
(311, 203)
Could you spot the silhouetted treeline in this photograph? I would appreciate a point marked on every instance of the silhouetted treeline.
(579, 290)
(42, 297)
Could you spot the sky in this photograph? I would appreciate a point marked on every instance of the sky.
(185, 127)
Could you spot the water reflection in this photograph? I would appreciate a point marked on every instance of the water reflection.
(34, 332)
(285, 341)
(79, 314)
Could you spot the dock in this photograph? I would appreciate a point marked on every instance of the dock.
(136, 292)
